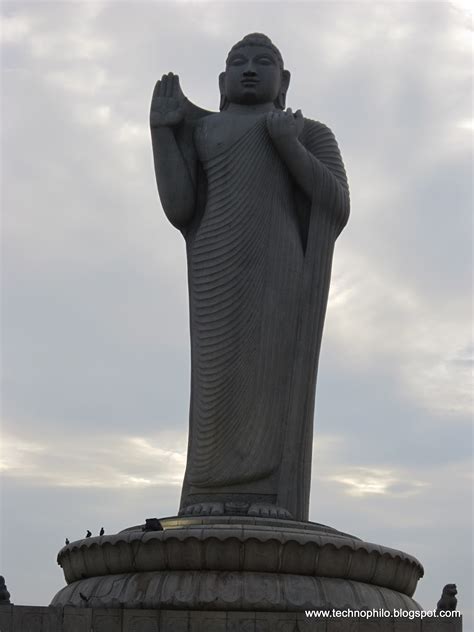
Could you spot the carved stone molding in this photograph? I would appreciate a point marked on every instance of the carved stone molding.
(192, 555)
(228, 591)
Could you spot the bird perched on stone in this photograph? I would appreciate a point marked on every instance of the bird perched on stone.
(102, 531)
(448, 599)
(88, 534)
(67, 541)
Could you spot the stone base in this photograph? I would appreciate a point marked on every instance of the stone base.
(40, 619)
(227, 591)
(227, 564)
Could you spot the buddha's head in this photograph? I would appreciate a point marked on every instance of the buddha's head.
(254, 74)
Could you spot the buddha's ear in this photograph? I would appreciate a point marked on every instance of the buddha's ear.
(280, 101)
(223, 104)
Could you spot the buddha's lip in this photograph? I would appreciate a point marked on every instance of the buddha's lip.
(250, 81)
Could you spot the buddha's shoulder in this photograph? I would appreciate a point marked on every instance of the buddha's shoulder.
(316, 130)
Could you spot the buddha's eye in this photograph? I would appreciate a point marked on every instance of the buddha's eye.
(265, 61)
(237, 61)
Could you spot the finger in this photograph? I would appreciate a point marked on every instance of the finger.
(156, 91)
(299, 114)
(180, 92)
(289, 111)
(176, 89)
(169, 85)
(162, 88)
(164, 82)
(164, 85)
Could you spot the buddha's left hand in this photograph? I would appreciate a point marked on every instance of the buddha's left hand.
(284, 127)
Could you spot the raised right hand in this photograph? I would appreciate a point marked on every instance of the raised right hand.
(167, 103)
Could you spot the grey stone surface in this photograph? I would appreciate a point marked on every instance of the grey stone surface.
(141, 621)
(33, 619)
(106, 620)
(197, 560)
(39, 619)
(174, 620)
(260, 195)
(229, 591)
(220, 547)
(6, 618)
(172, 522)
(76, 619)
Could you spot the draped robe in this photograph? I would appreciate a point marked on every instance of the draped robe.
(259, 263)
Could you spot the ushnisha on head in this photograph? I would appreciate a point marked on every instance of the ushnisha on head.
(254, 74)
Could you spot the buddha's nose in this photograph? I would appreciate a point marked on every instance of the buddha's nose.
(249, 72)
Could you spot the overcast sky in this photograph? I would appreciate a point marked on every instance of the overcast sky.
(95, 326)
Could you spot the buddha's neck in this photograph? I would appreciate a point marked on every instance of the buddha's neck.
(239, 108)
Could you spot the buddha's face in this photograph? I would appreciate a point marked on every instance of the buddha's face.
(253, 75)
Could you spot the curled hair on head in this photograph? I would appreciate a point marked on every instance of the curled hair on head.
(258, 39)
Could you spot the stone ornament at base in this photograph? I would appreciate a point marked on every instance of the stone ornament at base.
(231, 564)
(4, 594)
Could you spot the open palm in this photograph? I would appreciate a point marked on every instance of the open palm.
(167, 104)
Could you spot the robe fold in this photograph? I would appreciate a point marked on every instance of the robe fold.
(259, 264)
